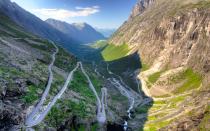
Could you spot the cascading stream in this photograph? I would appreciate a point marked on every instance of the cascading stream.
(132, 96)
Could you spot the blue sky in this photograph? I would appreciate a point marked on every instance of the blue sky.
(98, 13)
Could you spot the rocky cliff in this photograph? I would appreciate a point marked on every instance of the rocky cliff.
(172, 38)
(175, 30)
(140, 7)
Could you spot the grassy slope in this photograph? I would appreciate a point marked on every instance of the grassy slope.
(154, 77)
(12, 27)
(9, 73)
(113, 52)
(193, 80)
(190, 79)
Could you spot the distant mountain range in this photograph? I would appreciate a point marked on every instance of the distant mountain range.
(106, 32)
(32, 23)
(70, 36)
(82, 32)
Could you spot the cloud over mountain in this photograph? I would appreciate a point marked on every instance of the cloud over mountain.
(61, 14)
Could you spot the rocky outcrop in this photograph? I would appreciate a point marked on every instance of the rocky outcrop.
(140, 7)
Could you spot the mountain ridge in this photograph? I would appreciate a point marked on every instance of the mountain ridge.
(80, 31)
(27, 20)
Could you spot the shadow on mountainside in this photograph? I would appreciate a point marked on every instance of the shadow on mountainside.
(128, 68)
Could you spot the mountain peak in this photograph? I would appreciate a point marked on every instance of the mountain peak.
(140, 7)
(51, 20)
(81, 25)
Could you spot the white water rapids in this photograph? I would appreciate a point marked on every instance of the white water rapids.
(133, 97)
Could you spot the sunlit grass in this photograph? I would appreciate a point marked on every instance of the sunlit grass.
(192, 80)
(154, 77)
(113, 52)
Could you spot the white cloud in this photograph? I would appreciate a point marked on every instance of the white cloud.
(64, 14)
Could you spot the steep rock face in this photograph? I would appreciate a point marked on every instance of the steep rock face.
(180, 34)
(172, 38)
(79, 31)
(140, 7)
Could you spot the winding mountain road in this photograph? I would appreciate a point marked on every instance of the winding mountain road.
(30, 117)
(36, 119)
(101, 114)
(39, 112)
